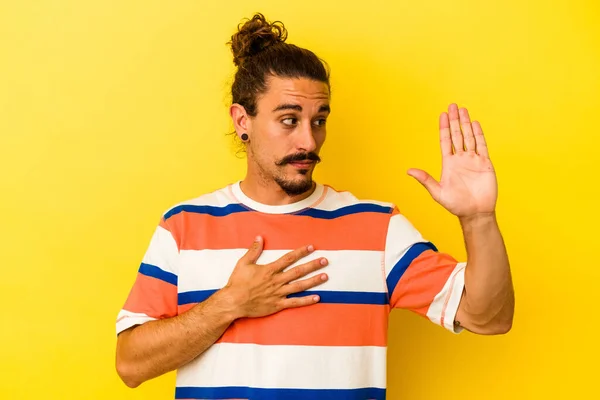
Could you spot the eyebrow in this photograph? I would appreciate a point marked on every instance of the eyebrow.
(325, 108)
(296, 107)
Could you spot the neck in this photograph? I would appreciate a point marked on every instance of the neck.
(267, 191)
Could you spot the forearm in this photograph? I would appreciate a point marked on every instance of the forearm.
(157, 347)
(488, 302)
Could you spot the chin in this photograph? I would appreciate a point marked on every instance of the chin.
(297, 184)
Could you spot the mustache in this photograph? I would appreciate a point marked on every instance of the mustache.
(299, 157)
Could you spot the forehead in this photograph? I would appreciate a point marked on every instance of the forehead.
(294, 91)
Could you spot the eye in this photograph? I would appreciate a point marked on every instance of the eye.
(321, 122)
(289, 121)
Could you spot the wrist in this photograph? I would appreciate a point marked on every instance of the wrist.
(230, 302)
(478, 220)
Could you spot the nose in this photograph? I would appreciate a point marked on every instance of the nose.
(306, 140)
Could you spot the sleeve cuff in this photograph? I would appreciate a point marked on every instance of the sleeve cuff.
(445, 305)
(126, 320)
(449, 314)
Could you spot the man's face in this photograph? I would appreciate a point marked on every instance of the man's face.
(288, 132)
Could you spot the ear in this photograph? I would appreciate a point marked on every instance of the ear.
(240, 118)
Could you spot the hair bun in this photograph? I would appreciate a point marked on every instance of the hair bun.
(254, 36)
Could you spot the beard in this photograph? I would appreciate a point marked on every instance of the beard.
(302, 181)
(296, 187)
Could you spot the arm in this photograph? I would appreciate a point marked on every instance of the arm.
(487, 305)
(468, 189)
(156, 347)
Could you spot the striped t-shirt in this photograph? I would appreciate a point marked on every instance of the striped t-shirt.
(334, 349)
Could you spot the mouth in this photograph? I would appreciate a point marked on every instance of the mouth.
(302, 164)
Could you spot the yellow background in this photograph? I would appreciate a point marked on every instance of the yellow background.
(112, 111)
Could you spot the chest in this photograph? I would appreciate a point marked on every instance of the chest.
(353, 246)
(358, 271)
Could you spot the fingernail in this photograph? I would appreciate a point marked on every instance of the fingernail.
(258, 238)
(310, 248)
(323, 277)
(323, 261)
(315, 298)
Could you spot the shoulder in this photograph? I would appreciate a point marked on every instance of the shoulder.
(335, 198)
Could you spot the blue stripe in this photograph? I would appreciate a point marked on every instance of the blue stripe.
(310, 212)
(155, 272)
(346, 297)
(404, 262)
(240, 392)
(210, 210)
(326, 296)
(194, 297)
(340, 212)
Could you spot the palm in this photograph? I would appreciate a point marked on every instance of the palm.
(468, 182)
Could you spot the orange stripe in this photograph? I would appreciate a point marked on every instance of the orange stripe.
(315, 325)
(422, 281)
(163, 224)
(361, 231)
(153, 297)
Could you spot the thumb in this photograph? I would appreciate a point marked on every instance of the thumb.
(432, 186)
(254, 251)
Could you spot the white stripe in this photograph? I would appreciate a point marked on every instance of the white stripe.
(336, 200)
(127, 319)
(348, 270)
(401, 236)
(448, 299)
(300, 367)
(162, 251)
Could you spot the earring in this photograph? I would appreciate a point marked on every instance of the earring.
(244, 137)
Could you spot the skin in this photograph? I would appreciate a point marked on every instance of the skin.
(154, 348)
(468, 189)
(157, 347)
(290, 122)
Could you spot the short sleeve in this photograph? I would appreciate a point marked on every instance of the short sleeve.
(420, 278)
(154, 292)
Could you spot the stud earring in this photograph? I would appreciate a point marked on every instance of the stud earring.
(244, 137)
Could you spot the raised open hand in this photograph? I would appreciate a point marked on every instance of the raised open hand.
(468, 185)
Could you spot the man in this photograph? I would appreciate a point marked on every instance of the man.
(279, 287)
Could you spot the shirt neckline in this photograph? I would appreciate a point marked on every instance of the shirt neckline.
(311, 200)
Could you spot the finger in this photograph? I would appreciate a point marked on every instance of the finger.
(456, 134)
(290, 258)
(305, 284)
(445, 139)
(465, 124)
(430, 184)
(294, 302)
(301, 270)
(255, 250)
(481, 144)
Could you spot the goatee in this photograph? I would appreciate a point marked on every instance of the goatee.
(294, 188)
